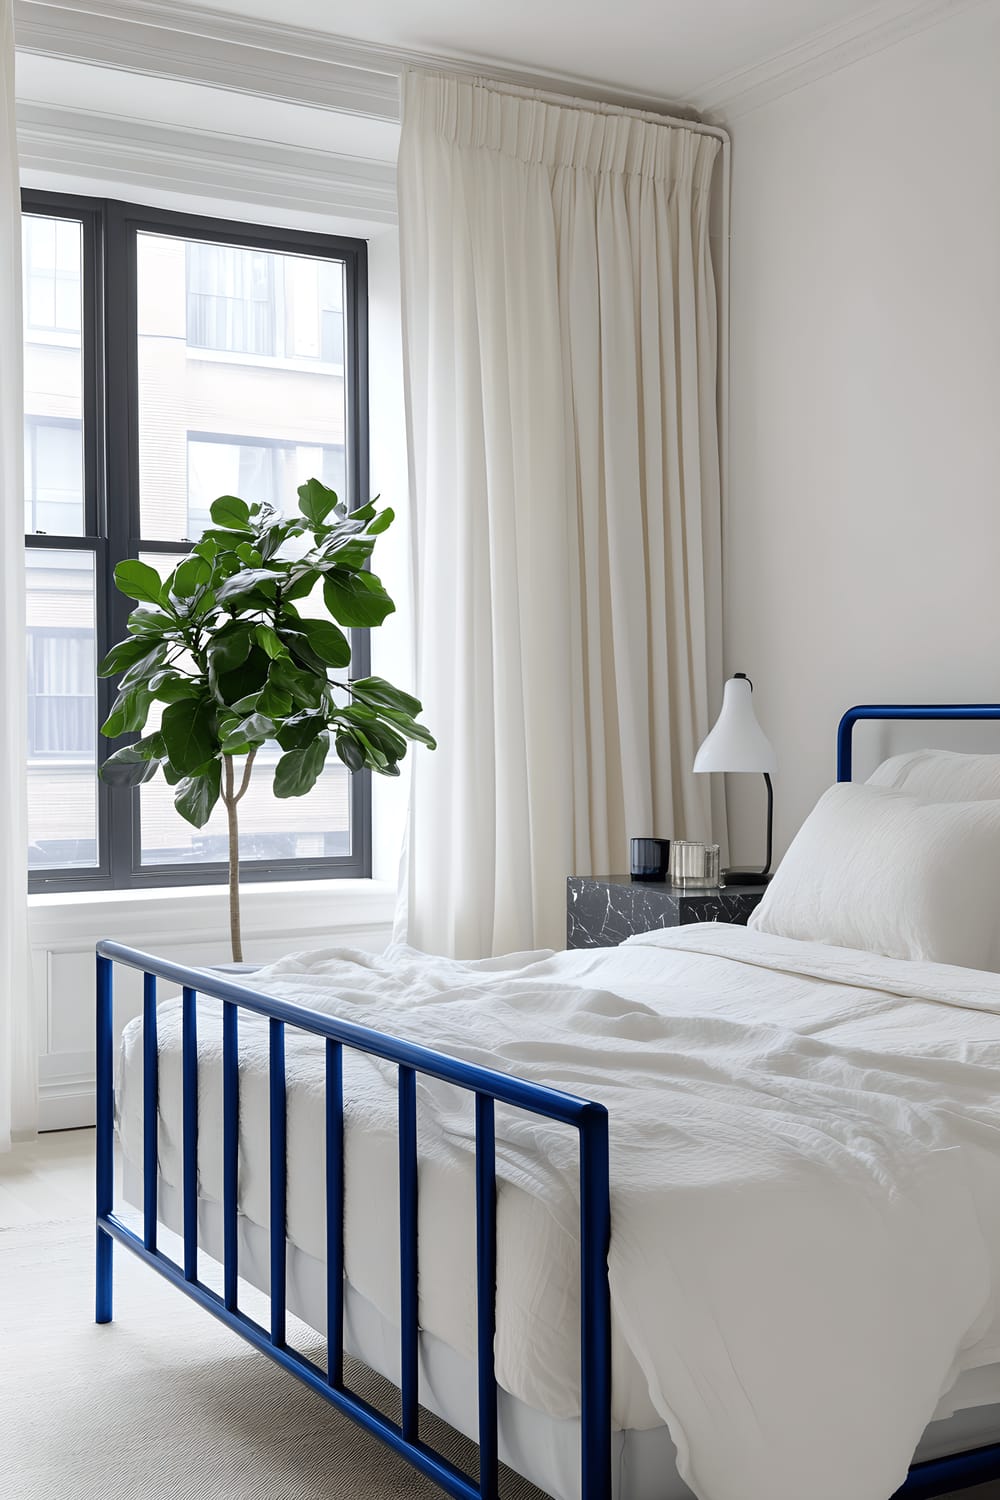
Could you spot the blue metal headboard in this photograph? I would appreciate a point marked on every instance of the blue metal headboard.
(845, 729)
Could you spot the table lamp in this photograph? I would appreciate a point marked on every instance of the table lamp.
(736, 742)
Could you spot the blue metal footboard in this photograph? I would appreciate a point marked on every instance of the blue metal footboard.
(488, 1088)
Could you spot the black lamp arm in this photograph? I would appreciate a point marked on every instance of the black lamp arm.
(770, 822)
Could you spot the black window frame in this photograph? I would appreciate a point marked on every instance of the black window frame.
(109, 329)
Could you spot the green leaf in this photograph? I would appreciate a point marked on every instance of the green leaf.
(196, 796)
(382, 521)
(300, 731)
(253, 730)
(189, 576)
(410, 728)
(171, 687)
(316, 501)
(381, 694)
(147, 665)
(231, 513)
(244, 680)
(188, 733)
(302, 586)
(304, 687)
(350, 751)
(274, 701)
(269, 639)
(230, 647)
(353, 553)
(297, 770)
(245, 581)
(328, 641)
(129, 713)
(139, 581)
(248, 555)
(356, 598)
(150, 622)
(124, 655)
(128, 767)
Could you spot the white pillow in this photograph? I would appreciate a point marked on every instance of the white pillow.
(876, 870)
(941, 776)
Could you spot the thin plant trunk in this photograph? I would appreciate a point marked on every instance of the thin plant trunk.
(231, 799)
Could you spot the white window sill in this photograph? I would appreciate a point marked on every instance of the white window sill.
(301, 909)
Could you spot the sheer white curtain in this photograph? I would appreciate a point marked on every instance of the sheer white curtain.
(18, 1087)
(560, 346)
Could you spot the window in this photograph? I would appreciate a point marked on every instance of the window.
(245, 302)
(230, 360)
(255, 469)
(51, 251)
(53, 474)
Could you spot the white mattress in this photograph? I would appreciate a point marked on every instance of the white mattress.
(806, 1183)
(541, 1448)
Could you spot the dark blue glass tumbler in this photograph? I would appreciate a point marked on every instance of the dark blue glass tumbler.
(649, 859)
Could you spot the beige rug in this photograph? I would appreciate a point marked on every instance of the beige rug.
(167, 1404)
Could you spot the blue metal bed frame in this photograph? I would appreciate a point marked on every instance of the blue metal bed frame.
(925, 1480)
(488, 1087)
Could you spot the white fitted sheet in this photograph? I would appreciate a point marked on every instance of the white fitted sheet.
(806, 1183)
(541, 1448)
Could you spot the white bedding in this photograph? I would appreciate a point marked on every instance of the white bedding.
(805, 1166)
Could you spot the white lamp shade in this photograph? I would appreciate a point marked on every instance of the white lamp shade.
(736, 742)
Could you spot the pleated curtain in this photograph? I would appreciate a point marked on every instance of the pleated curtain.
(18, 1078)
(560, 351)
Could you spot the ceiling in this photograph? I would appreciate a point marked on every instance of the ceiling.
(667, 49)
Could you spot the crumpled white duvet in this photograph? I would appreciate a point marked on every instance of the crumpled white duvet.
(805, 1159)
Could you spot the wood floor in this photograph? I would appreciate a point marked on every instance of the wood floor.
(52, 1178)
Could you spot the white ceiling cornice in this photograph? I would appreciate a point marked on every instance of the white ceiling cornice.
(836, 47)
(193, 44)
(55, 139)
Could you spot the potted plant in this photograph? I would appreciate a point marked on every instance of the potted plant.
(222, 645)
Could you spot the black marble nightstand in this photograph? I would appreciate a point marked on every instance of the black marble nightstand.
(602, 911)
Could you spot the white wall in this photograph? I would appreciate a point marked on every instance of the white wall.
(863, 529)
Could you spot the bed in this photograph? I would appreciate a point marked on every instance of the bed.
(789, 1288)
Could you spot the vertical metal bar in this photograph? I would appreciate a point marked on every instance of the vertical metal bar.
(408, 1344)
(334, 1213)
(278, 1125)
(230, 1151)
(595, 1305)
(189, 1078)
(486, 1285)
(105, 1174)
(150, 1092)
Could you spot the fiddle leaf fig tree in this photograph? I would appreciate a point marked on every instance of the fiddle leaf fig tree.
(222, 647)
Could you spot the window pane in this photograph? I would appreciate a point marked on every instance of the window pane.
(62, 711)
(317, 826)
(241, 379)
(53, 376)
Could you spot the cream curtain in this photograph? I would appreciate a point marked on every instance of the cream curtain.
(560, 346)
(18, 1088)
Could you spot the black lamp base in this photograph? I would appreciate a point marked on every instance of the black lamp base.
(746, 877)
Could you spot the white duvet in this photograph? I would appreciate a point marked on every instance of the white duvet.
(805, 1159)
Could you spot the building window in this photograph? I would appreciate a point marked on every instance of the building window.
(255, 469)
(230, 299)
(265, 306)
(51, 251)
(53, 475)
(129, 437)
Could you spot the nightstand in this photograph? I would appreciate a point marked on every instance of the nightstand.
(602, 911)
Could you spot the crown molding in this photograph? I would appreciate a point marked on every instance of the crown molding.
(194, 44)
(726, 98)
(105, 147)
